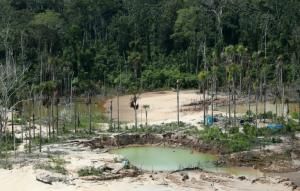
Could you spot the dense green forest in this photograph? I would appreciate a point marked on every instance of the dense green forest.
(149, 44)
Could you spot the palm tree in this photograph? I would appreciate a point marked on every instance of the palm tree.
(214, 70)
(265, 101)
(241, 50)
(276, 98)
(134, 104)
(249, 96)
(255, 87)
(177, 89)
(280, 80)
(298, 91)
(214, 76)
(287, 102)
(232, 71)
(229, 58)
(202, 77)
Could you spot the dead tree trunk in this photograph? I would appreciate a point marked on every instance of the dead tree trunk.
(40, 120)
(52, 117)
(33, 116)
(90, 113)
(29, 141)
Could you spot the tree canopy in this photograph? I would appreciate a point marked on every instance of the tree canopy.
(150, 43)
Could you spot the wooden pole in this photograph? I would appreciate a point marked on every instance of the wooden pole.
(118, 107)
(177, 83)
(111, 114)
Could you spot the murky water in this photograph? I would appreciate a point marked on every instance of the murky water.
(161, 158)
(168, 159)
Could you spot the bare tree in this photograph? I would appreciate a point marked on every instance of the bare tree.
(118, 106)
(89, 102)
(178, 89)
(57, 113)
(11, 81)
(134, 104)
(146, 108)
(111, 114)
(202, 78)
(298, 91)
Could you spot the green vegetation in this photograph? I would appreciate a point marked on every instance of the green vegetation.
(150, 44)
(267, 115)
(90, 171)
(162, 128)
(234, 141)
(6, 146)
(295, 115)
(8, 143)
(82, 123)
(55, 164)
(45, 141)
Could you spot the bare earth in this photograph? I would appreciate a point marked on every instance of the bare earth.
(24, 178)
(163, 107)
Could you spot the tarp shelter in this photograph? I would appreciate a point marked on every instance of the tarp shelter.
(274, 126)
(210, 120)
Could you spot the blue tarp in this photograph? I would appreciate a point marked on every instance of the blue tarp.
(210, 120)
(275, 126)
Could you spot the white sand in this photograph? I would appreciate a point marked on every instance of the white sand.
(163, 107)
(23, 179)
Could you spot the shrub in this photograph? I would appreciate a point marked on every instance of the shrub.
(232, 142)
(210, 134)
(295, 115)
(55, 165)
(90, 171)
(250, 113)
(238, 145)
(267, 115)
(249, 130)
(234, 130)
(7, 142)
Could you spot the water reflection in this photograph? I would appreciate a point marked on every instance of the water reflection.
(169, 159)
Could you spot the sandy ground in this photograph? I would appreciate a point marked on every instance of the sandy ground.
(163, 107)
(24, 180)
(77, 157)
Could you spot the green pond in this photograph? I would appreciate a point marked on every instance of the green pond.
(168, 159)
